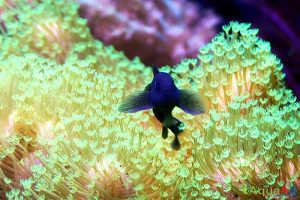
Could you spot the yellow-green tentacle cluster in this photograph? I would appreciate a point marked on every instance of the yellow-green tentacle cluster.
(53, 29)
(62, 136)
(249, 133)
(48, 29)
(235, 63)
(61, 127)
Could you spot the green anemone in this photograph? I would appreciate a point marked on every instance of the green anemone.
(63, 138)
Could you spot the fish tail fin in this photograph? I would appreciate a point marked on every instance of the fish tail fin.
(164, 132)
(175, 144)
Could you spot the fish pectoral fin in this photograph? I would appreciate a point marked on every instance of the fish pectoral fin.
(175, 144)
(169, 121)
(190, 102)
(164, 132)
(136, 102)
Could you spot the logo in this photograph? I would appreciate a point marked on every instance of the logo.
(292, 192)
(270, 192)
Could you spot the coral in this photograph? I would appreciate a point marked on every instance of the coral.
(242, 150)
(235, 144)
(160, 32)
(277, 21)
(55, 31)
(48, 28)
(72, 100)
(235, 63)
(62, 136)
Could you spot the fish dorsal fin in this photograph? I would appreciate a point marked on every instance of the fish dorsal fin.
(155, 69)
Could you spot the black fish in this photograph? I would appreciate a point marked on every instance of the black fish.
(162, 96)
